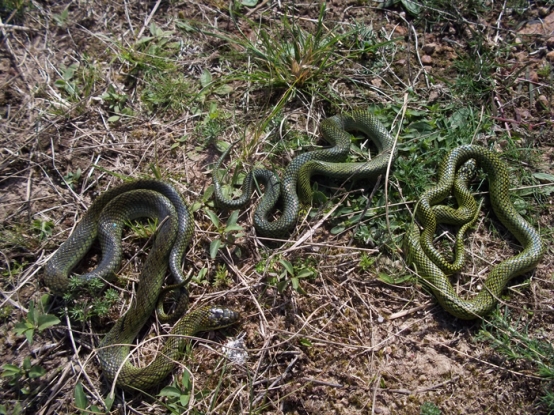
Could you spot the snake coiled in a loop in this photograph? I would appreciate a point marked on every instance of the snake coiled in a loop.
(105, 219)
(426, 212)
(295, 185)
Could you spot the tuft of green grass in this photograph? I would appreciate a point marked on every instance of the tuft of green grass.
(513, 339)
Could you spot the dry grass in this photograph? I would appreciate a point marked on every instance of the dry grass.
(354, 344)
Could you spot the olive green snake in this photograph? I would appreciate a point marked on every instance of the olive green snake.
(433, 268)
(296, 186)
(105, 220)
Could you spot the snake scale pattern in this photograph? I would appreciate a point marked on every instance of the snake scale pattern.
(296, 178)
(432, 274)
(105, 219)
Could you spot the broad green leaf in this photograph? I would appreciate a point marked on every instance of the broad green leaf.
(305, 342)
(47, 320)
(544, 177)
(79, 396)
(170, 391)
(184, 400)
(223, 90)
(208, 193)
(10, 370)
(295, 283)
(213, 217)
(281, 285)
(338, 229)
(36, 372)
(185, 381)
(288, 266)
(249, 3)
(114, 118)
(27, 363)
(233, 217)
(29, 335)
(233, 228)
(411, 7)
(305, 273)
(214, 247)
(205, 78)
(108, 402)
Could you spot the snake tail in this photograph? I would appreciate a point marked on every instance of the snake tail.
(115, 349)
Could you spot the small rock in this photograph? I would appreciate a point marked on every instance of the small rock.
(430, 48)
(426, 60)
(517, 41)
(533, 77)
(550, 56)
(433, 96)
(400, 62)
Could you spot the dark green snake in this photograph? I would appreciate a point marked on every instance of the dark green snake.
(296, 177)
(105, 219)
(427, 213)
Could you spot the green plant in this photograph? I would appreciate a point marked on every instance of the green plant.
(290, 275)
(62, 18)
(152, 65)
(43, 228)
(513, 340)
(227, 232)
(68, 83)
(72, 178)
(288, 59)
(15, 375)
(36, 320)
(116, 103)
(179, 396)
(429, 408)
(222, 277)
(366, 262)
(15, 410)
(213, 124)
(13, 11)
(143, 229)
(82, 403)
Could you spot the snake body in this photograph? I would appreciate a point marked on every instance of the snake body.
(105, 219)
(296, 177)
(502, 273)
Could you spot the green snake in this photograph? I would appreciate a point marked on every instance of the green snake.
(105, 220)
(416, 244)
(295, 185)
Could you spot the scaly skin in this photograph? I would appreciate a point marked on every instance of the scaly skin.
(298, 173)
(105, 219)
(501, 274)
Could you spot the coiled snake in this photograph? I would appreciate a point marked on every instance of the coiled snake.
(296, 177)
(105, 219)
(416, 245)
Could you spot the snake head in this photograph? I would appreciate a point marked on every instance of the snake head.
(221, 317)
